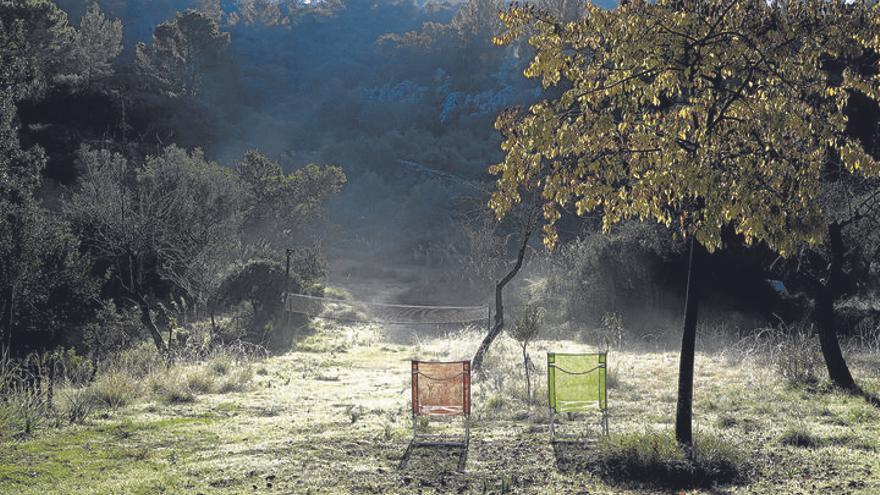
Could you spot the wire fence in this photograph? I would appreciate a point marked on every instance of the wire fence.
(385, 314)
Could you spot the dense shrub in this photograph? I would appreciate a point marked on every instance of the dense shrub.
(623, 272)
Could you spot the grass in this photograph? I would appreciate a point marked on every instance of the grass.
(290, 427)
(799, 436)
(115, 389)
(656, 459)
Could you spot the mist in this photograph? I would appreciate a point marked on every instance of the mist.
(410, 122)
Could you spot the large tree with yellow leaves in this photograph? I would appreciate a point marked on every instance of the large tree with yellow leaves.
(703, 115)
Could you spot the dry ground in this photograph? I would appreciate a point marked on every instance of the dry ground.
(332, 417)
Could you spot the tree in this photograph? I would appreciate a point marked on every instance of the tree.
(34, 40)
(184, 53)
(96, 44)
(841, 266)
(44, 285)
(284, 209)
(526, 329)
(701, 115)
(527, 219)
(161, 228)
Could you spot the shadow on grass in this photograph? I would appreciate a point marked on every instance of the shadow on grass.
(870, 397)
(434, 459)
(653, 460)
(574, 456)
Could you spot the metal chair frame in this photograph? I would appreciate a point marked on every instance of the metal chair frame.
(603, 419)
(426, 440)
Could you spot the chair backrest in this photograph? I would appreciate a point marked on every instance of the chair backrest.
(577, 381)
(441, 389)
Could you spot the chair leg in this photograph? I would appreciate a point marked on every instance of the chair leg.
(462, 458)
(605, 422)
(406, 455)
(409, 447)
(552, 426)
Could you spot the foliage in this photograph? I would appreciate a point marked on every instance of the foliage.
(44, 286)
(716, 119)
(283, 209)
(112, 330)
(76, 405)
(261, 283)
(473, 24)
(612, 331)
(34, 38)
(183, 54)
(622, 271)
(528, 325)
(167, 225)
(791, 350)
(115, 389)
(96, 44)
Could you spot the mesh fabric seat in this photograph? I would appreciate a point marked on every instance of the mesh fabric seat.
(440, 390)
(577, 384)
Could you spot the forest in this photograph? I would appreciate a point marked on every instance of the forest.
(233, 231)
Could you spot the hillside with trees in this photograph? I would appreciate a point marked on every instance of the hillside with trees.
(228, 226)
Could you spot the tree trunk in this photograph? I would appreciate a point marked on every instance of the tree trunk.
(215, 332)
(11, 318)
(684, 408)
(824, 313)
(499, 304)
(528, 377)
(148, 322)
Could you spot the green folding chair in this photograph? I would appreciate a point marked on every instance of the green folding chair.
(577, 384)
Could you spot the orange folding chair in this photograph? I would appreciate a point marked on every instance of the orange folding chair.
(440, 390)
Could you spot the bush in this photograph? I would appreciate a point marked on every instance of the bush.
(22, 412)
(76, 405)
(220, 365)
(115, 389)
(624, 268)
(237, 381)
(657, 459)
(201, 381)
(793, 352)
(798, 358)
(171, 389)
(138, 361)
(495, 402)
(74, 369)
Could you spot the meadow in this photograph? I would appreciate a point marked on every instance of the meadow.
(332, 416)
